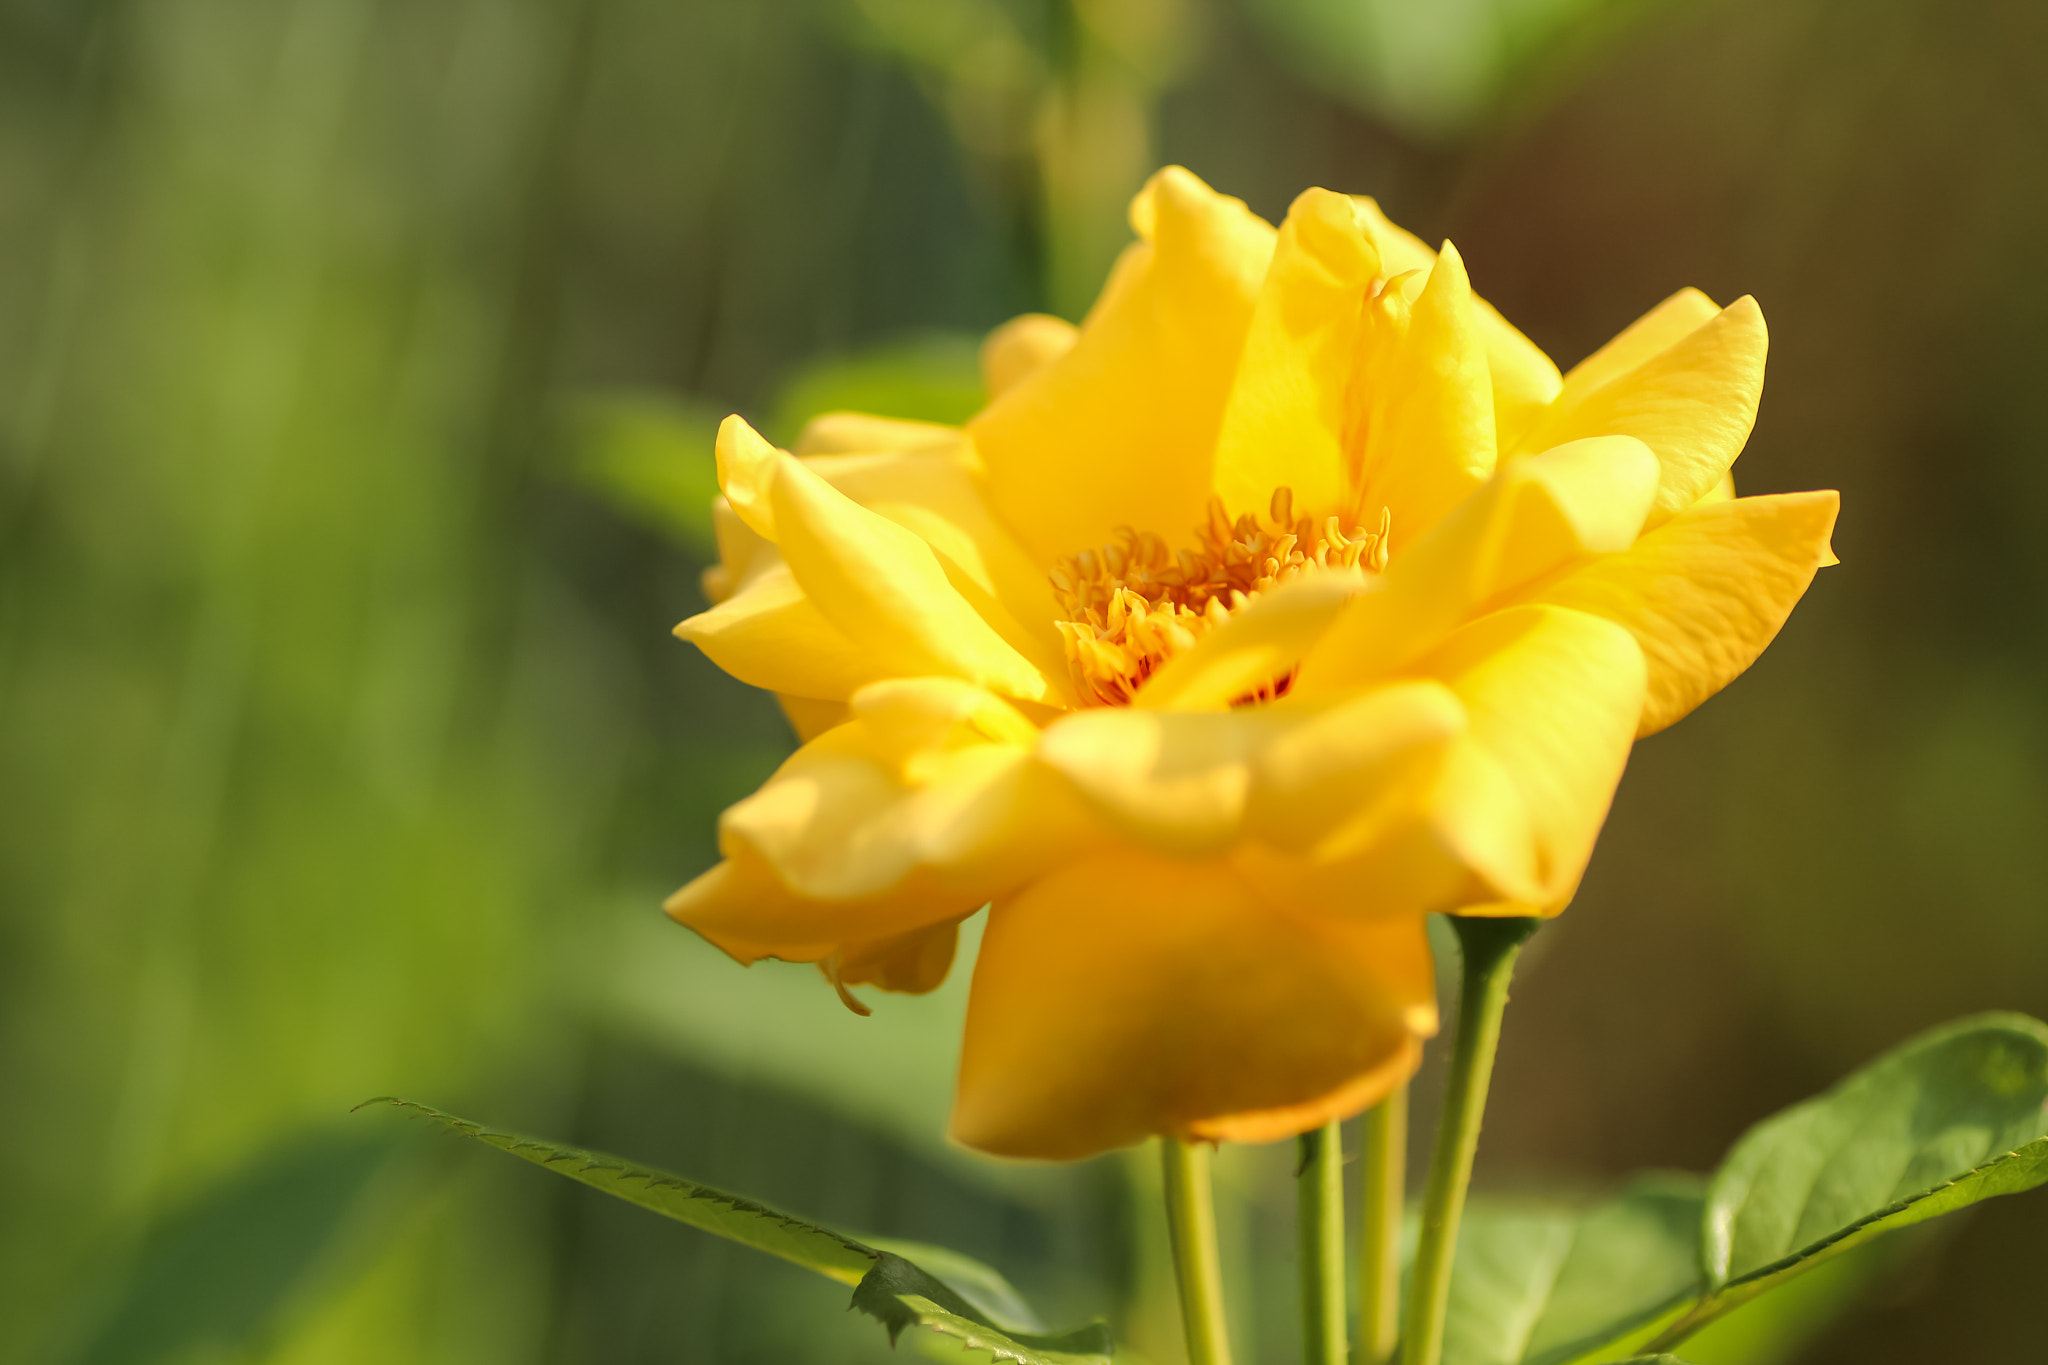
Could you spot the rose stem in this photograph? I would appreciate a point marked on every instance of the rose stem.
(1320, 1187)
(1383, 1168)
(1191, 1220)
(1489, 946)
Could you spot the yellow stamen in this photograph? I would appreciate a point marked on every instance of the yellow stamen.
(1135, 603)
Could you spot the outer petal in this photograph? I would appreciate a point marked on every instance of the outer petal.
(1525, 381)
(917, 811)
(884, 587)
(1283, 426)
(1126, 995)
(1692, 403)
(1021, 348)
(1648, 337)
(1421, 435)
(746, 471)
(1538, 514)
(769, 634)
(936, 498)
(1553, 697)
(911, 963)
(1121, 428)
(1704, 593)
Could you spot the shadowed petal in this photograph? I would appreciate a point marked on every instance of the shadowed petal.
(1127, 995)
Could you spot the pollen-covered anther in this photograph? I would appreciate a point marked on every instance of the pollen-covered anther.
(1135, 603)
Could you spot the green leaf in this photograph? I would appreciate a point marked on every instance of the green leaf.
(652, 457)
(888, 1286)
(1950, 1118)
(1550, 1283)
(983, 1286)
(1953, 1117)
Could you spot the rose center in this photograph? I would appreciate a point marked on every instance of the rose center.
(1135, 603)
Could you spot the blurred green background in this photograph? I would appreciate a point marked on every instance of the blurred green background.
(358, 363)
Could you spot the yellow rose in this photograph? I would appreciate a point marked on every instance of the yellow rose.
(1292, 596)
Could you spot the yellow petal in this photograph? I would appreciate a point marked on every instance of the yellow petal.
(742, 553)
(1525, 381)
(769, 634)
(1643, 340)
(907, 815)
(1421, 435)
(850, 433)
(884, 588)
(1127, 995)
(909, 720)
(1704, 593)
(1552, 698)
(1261, 642)
(911, 963)
(1720, 492)
(1693, 403)
(938, 500)
(1121, 429)
(1175, 781)
(1283, 425)
(1421, 819)
(1021, 348)
(1536, 515)
(1332, 767)
(746, 470)
(810, 717)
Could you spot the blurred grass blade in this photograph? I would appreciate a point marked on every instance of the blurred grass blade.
(1554, 1284)
(887, 1286)
(215, 1273)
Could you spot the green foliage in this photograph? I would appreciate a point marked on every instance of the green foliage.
(1548, 1284)
(958, 1297)
(1951, 1118)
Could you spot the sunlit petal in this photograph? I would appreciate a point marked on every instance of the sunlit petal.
(1122, 427)
(1704, 593)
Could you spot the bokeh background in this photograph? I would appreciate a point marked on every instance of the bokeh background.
(358, 365)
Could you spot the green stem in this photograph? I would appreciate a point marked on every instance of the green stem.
(1191, 1219)
(1320, 1188)
(1383, 1169)
(1490, 947)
